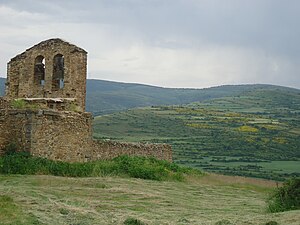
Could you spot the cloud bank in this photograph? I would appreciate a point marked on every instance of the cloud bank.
(171, 43)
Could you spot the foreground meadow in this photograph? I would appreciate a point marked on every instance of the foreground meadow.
(210, 199)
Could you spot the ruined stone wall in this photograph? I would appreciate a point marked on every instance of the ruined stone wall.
(3, 103)
(66, 136)
(61, 136)
(54, 135)
(4, 134)
(111, 149)
(13, 128)
(21, 72)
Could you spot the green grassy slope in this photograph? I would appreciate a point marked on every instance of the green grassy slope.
(208, 200)
(252, 134)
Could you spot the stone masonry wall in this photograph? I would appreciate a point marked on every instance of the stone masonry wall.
(13, 128)
(21, 72)
(3, 103)
(61, 136)
(66, 136)
(111, 149)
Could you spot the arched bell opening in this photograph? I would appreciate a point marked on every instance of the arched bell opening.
(58, 72)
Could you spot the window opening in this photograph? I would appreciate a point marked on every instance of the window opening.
(58, 72)
(39, 70)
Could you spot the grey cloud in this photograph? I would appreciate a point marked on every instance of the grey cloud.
(270, 27)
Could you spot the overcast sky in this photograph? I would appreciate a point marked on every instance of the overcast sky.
(170, 43)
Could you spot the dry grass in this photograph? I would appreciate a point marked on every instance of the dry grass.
(110, 200)
(237, 180)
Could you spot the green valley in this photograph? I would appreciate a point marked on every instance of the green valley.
(255, 133)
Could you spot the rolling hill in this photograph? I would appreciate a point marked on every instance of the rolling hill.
(255, 133)
(104, 97)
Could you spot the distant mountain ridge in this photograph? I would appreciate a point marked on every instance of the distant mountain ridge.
(104, 97)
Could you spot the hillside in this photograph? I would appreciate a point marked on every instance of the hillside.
(2, 86)
(255, 133)
(104, 97)
(209, 200)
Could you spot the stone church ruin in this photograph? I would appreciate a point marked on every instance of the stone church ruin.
(43, 110)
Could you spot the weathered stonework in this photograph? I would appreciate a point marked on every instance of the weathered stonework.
(112, 149)
(53, 123)
(3, 103)
(67, 136)
(36, 73)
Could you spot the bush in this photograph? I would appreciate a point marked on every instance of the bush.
(151, 168)
(272, 223)
(137, 167)
(11, 148)
(223, 222)
(286, 197)
(132, 221)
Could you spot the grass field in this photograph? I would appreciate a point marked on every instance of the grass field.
(211, 199)
(250, 135)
